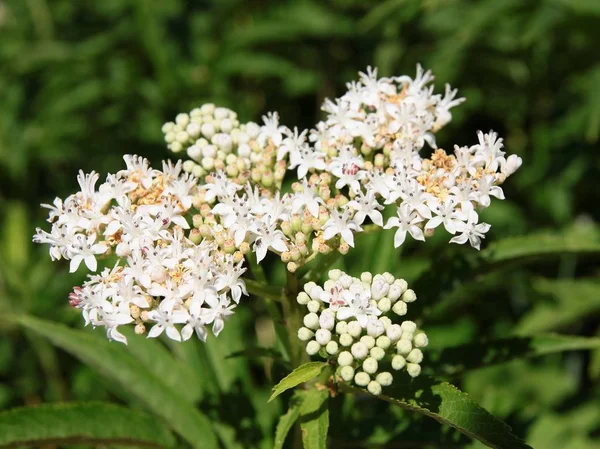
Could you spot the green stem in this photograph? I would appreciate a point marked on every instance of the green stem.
(264, 291)
(271, 295)
(293, 319)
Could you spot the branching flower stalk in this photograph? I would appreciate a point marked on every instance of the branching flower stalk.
(177, 242)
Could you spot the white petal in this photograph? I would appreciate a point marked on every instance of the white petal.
(156, 330)
(399, 237)
(75, 262)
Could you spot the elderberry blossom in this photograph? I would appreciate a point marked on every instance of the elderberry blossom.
(354, 323)
(160, 277)
(367, 159)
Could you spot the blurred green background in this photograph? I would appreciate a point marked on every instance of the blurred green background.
(84, 82)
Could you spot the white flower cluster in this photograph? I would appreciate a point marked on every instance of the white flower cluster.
(351, 321)
(161, 277)
(363, 158)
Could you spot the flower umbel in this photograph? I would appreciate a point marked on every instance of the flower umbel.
(351, 322)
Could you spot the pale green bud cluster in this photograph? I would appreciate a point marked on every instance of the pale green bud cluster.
(214, 140)
(354, 323)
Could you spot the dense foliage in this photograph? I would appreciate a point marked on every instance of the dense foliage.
(82, 83)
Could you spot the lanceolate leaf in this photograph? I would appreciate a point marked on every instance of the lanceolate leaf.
(570, 301)
(314, 418)
(455, 360)
(448, 405)
(89, 424)
(579, 240)
(300, 375)
(287, 421)
(156, 358)
(115, 362)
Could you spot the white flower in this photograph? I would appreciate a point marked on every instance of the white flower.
(341, 224)
(307, 198)
(271, 130)
(166, 317)
(445, 214)
(220, 308)
(406, 221)
(471, 231)
(306, 159)
(358, 307)
(269, 237)
(366, 205)
(85, 250)
(486, 188)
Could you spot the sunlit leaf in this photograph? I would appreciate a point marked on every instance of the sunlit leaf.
(448, 405)
(300, 375)
(82, 424)
(314, 418)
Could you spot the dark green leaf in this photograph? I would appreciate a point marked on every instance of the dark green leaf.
(582, 239)
(314, 418)
(287, 421)
(574, 300)
(448, 405)
(300, 375)
(89, 424)
(254, 353)
(115, 362)
(455, 360)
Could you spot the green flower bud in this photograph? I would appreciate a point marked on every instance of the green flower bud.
(332, 348)
(374, 388)
(400, 308)
(409, 326)
(398, 362)
(368, 340)
(413, 369)
(341, 327)
(383, 342)
(347, 373)
(313, 347)
(403, 347)
(354, 329)
(303, 298)
(377, 353)
(409, 296)
(384, 304)
(385, 379)
(313, 306)
(346, 340)
(323, 336)
(362, 379)
(415, 356)
(345, 359)
(421, 340)
(305, 334)
(359, 350)
(311, 321)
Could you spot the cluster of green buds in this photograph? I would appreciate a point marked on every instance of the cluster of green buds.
(215, 140)
(354, 324)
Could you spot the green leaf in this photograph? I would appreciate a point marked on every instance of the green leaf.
(115, 362)
(88, 423)
(448, 405)
(287, 421)
(300, 375)
(581, 239)
(256, 353)
(156, 358)
(455, 360)
(574, 300)
(314, 418)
